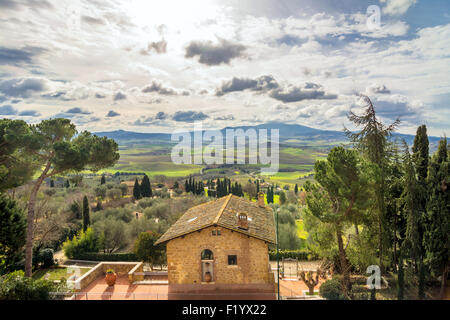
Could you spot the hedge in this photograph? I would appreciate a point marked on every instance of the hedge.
(301, 254)
(94, 256)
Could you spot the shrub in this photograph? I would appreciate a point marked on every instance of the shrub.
(302, 254)
(97, 256)
(45, 256)
(84, 241)
(332, 290)
(14, 286)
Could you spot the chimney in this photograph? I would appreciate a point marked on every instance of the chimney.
(261, 199)
(243, 221)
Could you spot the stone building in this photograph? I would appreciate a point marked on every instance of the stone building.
(221, 246)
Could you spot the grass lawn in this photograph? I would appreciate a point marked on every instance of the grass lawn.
(301, 233)
(56, 273)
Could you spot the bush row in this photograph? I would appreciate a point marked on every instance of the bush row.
(94, 256)
(301, 254)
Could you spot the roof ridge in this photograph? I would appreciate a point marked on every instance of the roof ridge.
(219, 214)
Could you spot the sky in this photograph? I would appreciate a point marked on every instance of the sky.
(156, 66)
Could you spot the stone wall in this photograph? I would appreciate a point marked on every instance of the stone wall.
(133, 269)
(184, 262)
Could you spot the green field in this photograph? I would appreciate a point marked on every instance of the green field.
(56, 273)
(297, 161)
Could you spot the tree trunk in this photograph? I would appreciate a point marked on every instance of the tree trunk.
(311, 290)
(30, 222)
(444, 282)
(356, 230)
(343, 261)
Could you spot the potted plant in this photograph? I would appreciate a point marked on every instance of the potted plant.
(110, 277)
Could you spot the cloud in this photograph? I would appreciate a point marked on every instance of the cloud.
(159, 47)
(92, 21)
(17, 57)
(214, 54)
(119, 96)
(161, 116)
(77, 111)
(295, 94)
(143, 122)
(7, 110)
(30, 113)
(100, 96)
(268, 84)
(263, 83)
(377, 89)
(225, 118)
(23, 87)
(397, 7)
(157, 87)
(189, 116)
(112, 114)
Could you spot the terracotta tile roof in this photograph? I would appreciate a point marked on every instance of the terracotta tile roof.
(224, 212)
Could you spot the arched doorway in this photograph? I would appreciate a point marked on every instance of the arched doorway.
(207, 261)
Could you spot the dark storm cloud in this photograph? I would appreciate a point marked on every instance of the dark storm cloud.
(263, 83)
(16, 57)
(119, 96)
(268, 84)
(7, 110)
(77, 111)
(212, 54)
(189, 116)
(112, 114)
(30, 113)
(159, 47)
(22, 87)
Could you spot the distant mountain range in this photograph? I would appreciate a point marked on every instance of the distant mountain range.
(287, 132)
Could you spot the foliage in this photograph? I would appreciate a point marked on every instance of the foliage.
(137, 190)
(12, 234)
(332, 290)
(146, 188)
(86, 213)
(100, 256)
(45, 257)
(84, 241)
(300, 254)
(145, 248)
(14, 286)
(437, 219)
(111, 234)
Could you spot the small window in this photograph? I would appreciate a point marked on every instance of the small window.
(207, 255)
(219, 232)
(232, 260)
(214, 232)
(243, 217)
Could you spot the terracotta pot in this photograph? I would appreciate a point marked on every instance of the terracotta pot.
(110, 279)
(208, 277)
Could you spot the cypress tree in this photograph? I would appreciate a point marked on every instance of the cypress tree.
(186, 186)
(86, 217)
(257, 186)
(67, 185)
(296, 188)
(137, 190)
(437, 219)
(103, 179)
(99, 205)
(146, 188)
(52, 183)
